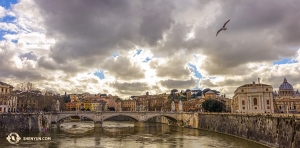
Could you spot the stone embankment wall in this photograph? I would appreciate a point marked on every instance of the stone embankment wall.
(19, 123)
(273, 130)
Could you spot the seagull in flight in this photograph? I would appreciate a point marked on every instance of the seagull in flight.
(223, 28)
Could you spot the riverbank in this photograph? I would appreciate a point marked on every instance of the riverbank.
(269, 129)
(19, 123)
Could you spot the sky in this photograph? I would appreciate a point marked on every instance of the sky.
(130, 47)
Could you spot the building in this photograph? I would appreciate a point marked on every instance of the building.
(118, 105)
(8, 101)
(72, 106)
(286, 100)
(210, 95)
(128, 105)
(28, 101)
(253, 98)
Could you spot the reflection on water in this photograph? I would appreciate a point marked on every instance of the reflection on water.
(124, 134)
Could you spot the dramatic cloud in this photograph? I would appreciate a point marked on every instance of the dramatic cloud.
(132, 46)
(122, 68)
(179, 84)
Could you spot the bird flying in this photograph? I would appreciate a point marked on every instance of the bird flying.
(223, 28)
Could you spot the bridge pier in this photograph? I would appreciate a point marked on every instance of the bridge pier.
(55, 125)
(97, 124)
(139, 124)
(176, 123)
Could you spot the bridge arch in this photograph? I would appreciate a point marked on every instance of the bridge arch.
(116, 115)
(170, 118)
(78, 115)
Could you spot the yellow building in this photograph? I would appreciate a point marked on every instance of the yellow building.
(253, 98)
(94, 106)
(72, 106)
(87, 105)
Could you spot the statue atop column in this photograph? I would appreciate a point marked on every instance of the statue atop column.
(180, 106)
(99, 107)
(173, 106)
(57, 105)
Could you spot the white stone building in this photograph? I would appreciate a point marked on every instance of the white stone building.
(8, 101)
(253, 98)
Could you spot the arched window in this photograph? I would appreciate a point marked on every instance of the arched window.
(255, 101)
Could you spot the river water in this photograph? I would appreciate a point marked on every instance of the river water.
(125, 135)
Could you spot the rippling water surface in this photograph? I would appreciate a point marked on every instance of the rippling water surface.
(125, 135)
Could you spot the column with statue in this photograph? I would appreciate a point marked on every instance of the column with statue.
(173, 106)
(57, 105)
(180, 106)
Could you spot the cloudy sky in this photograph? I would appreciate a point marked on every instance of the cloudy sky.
(129, 47)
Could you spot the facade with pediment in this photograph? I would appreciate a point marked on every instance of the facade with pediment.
(253, 98)
(286, 100)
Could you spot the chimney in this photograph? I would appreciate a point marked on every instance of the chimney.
(258, 80)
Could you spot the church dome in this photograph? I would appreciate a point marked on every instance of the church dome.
(285, 85)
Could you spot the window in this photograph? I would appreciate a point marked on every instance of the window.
(243, 102)
(255, 101)
(268, 107)
(279, 107)
(255, 108)
(294, 107)
(268, 102)
(243, 108)
(267, 89)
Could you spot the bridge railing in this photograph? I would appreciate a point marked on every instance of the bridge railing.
(92, 112)
(256, 114)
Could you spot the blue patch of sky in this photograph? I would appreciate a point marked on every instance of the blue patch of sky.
(99, 74)
(196, 72)
(8, 19)
(7, 3)
(138, 51)
(284, 61)
(147, 59)
(115, 55)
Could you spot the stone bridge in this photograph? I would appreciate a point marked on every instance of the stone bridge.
(174, 118)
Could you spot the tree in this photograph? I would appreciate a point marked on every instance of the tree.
(199, 93)
(67, 98)
(212, 105)
(111, 109)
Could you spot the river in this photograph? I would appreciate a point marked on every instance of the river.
(125, 135)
